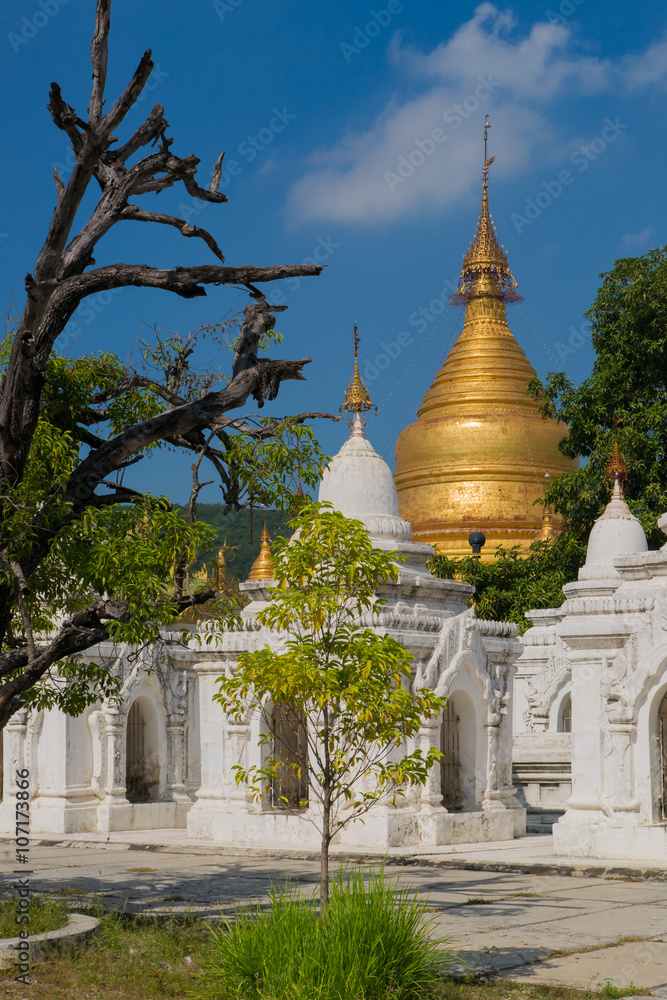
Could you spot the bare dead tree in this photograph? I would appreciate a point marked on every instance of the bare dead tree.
(65, 273)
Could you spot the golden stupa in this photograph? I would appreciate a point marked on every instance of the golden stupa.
(477, 455)
(262, 568)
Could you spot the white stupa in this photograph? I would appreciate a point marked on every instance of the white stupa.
(617, 532)
(359, 483)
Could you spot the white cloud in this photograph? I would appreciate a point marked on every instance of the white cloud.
(535, 67)
(637, 239)
(395, 167)
(648, 68)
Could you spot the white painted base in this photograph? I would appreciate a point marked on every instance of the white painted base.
(386, 827)
(439, 827)
(607, 841)
(89, 815)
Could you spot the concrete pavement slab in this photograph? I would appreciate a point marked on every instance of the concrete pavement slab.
(635, 964)
(615, 892)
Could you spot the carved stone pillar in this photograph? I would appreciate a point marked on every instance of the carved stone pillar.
(429, 738)
(115, 753)
(492, 792)
(235, 737)
(619, 769)
(176, 756)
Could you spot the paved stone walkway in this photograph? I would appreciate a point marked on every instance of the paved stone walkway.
(532, 925)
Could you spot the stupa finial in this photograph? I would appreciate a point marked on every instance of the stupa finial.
(485, 267)
(262, 568)
(617, 467)
(357, 399)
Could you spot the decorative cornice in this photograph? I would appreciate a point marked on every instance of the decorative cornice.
(607, 605)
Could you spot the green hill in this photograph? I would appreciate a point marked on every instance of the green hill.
(234, 528)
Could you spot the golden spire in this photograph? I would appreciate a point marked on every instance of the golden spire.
(617, 467)
(485, 268)
(548, 527)
(357, 398)
(262, 568)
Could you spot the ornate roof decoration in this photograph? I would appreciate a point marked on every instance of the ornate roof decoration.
(617, 467)
(357, 397)
(262, 568)
(485, 268)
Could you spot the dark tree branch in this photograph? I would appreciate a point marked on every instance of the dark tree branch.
(137, 214)
(62, 278)
(99, 51)
(81, 631)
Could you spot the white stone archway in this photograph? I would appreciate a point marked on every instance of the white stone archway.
(145, 752)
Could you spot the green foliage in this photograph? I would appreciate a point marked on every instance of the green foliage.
(629, 380)
(73, 382)
(125, 554)
(515, 582)
(349, 684)
(46, 914)
(374, 944)
(233, 531)
(274, 468)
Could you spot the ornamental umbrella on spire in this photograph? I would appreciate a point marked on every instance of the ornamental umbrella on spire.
(617, 467)
(485, 268)
(357, 397)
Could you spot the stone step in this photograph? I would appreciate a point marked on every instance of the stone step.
(539, 821)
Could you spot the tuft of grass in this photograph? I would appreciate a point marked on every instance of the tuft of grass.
(372, 943)
(611, 992)
(129, 958)
(46, 914)
(477, 901)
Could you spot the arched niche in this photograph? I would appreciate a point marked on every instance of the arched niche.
(144, 761)
(661, 733)
(289, 746)
(459, 746)
(650, 755)
(563, 714)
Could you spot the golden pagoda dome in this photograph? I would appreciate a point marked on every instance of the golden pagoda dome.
(262, 568)
(476, 457)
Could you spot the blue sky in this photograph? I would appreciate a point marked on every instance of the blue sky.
(352, 134)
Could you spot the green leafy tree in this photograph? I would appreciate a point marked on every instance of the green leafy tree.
(83, 558)
(628, 383)
(344, 685)
(518, 579)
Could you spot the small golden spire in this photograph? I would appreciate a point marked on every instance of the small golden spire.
(485, 268)
(548, 528)
(617, 467)
(262, 568)
(357, 398)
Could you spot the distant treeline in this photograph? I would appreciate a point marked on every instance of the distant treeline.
(234, 528)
